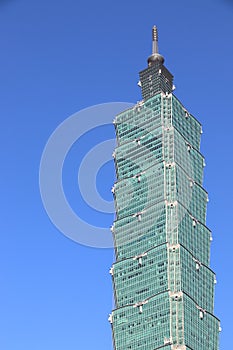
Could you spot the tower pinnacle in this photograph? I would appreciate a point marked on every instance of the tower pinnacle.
(155, 57)
(154, 40)
(155, 78)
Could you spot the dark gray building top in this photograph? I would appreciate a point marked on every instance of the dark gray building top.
(156, 78)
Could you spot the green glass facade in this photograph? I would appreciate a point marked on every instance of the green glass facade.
(163, 284)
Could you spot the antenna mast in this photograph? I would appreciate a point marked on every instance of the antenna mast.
(155, 48)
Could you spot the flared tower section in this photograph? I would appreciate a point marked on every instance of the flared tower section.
(163, 284)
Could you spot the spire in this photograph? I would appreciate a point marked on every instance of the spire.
(155, 48)
(155, 57)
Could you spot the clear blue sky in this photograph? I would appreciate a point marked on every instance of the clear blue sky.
(57, 57)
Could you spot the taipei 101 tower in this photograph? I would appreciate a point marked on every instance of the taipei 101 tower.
(162, 280)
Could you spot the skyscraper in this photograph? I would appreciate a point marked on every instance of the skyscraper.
(163, 284)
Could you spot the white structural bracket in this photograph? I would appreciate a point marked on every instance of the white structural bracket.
(140, 304)
(167, 341)
(110, 318)
(139, 215)
(169, 165)
(202, 312)
(198, 264)
(139, 258)
(176, 295)
(189, 147)
(195, 221)
(171, 204)
(192, 182)
(138, 176)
